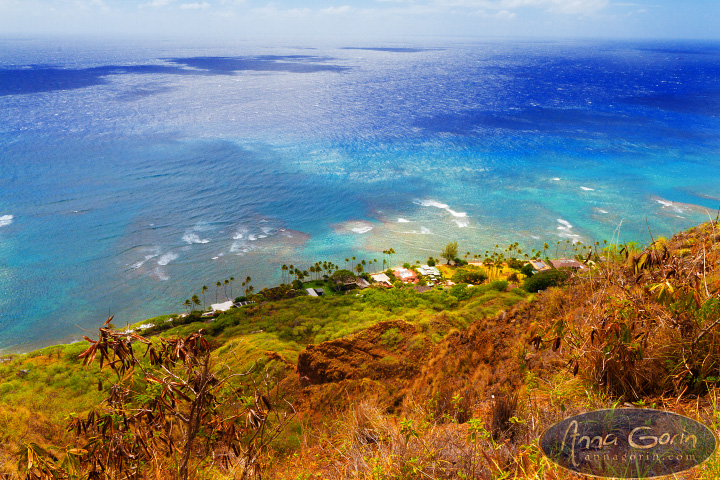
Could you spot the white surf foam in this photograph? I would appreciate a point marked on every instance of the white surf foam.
(432, 203)
(425, 231)
(443, 206)
(556, 179)
(191, 238)
(139, 264)
(587, 189)
(6, 220)
(167, 258)
(361, 229)
(669, 204)
(402, 220)
(601, 210)
(160, 274)
(462, 223)
(456, 214)
(565, 229)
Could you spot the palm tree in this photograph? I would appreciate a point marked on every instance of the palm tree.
(204, 289)
(195, 300)
(225, 284)
(217, 289)
(346, 261)
(248, 287)
(232, 279)
(187, 304)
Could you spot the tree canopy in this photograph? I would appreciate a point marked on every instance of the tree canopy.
(450, 251)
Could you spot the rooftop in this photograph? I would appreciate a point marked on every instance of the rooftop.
(567, 263)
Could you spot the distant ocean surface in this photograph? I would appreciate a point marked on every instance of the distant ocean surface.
(134, 173)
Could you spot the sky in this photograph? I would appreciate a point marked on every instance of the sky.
(365, 19)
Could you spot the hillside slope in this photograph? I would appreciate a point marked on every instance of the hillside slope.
(443, 384)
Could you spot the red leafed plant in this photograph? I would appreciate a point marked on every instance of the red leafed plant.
(170, 410)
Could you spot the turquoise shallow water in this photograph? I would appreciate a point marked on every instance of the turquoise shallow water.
(131, 174)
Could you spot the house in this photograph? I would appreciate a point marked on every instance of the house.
(222, 307)
(427, 271)
(539, 265)
(315, 292)
(348, 283)
(382, 279)
(567, 263)
(242, 304)
(405, 275)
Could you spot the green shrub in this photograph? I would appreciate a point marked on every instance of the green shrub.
(499, 285)
(460, 291)
(474, 276)
(515, 264)
(543, 280)
(528, 270)
(391, 337)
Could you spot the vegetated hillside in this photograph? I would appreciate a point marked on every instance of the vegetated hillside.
(640, 328)
(401, 325)
(443, 384)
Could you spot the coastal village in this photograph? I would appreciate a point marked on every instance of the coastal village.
(421, 278)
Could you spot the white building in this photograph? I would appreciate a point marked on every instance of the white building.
(221, 307)
(381, 278)
(428, 271)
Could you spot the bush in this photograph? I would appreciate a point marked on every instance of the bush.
(528, 270)
(499, 285)
(543, 280)
(431, 262)
(475, 277)
(391, 275)
(192, 318)
(460, 291)
(515, 264)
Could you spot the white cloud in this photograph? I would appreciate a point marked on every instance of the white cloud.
(271, 10)
(86, 4)
(578, 7)
(581, 7)
(337, 10)
(194, 6)
(158, 3)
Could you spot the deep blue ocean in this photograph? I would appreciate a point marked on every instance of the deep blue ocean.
(134, 172)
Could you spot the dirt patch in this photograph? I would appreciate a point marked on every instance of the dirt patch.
(375, 353)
